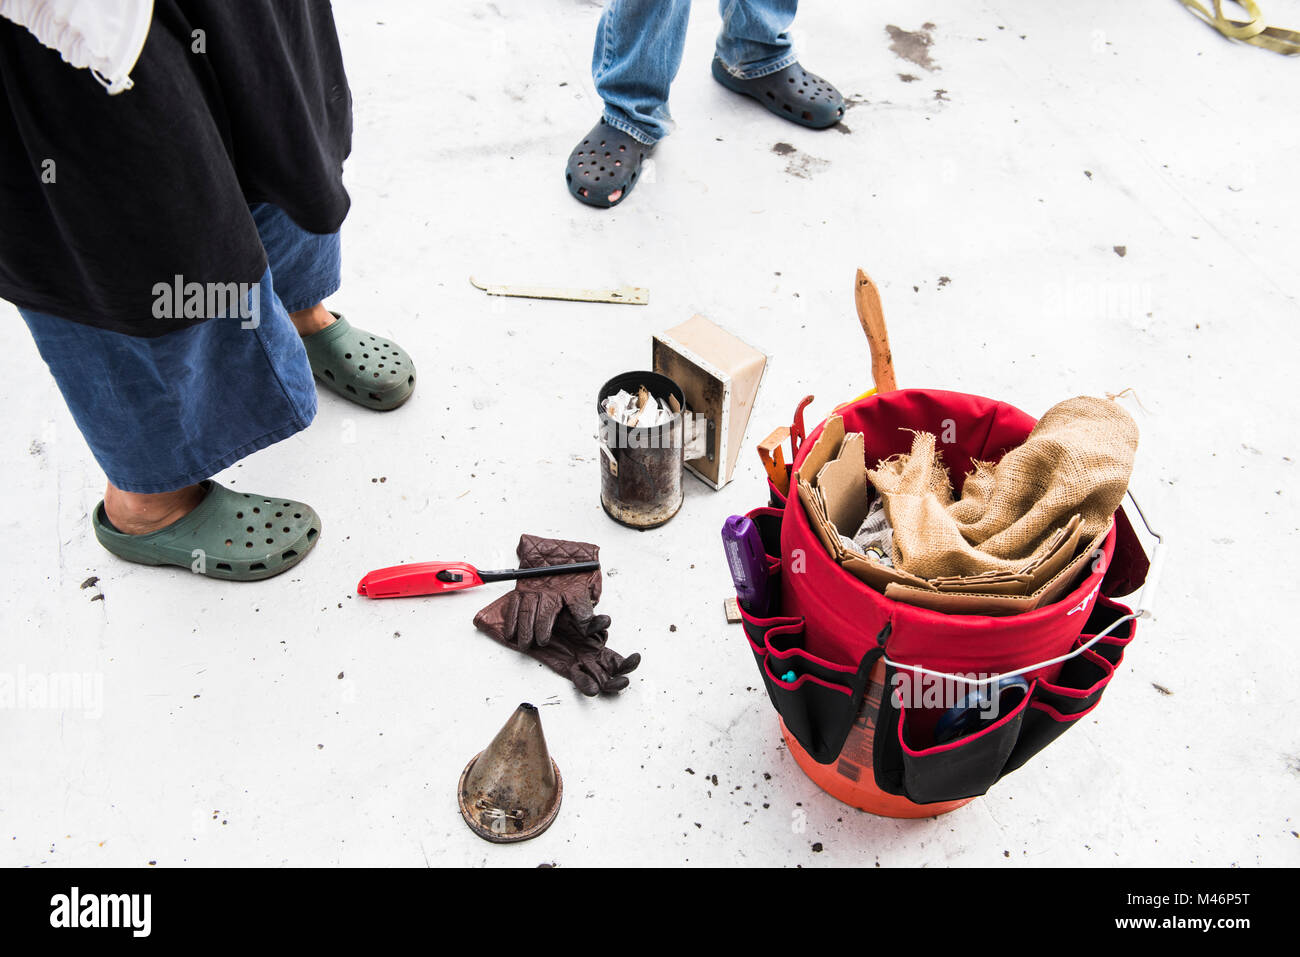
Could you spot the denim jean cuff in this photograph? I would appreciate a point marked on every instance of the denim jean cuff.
(314, 295)
(213, 467)
(767, 69)
(641, 136)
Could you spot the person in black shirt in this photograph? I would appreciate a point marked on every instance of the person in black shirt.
(170, 248)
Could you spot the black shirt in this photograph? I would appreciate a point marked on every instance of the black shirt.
(155, 182)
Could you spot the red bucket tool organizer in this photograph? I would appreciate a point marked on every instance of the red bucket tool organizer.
(845, 642)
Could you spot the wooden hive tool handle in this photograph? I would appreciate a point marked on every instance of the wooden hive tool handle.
(872, 317)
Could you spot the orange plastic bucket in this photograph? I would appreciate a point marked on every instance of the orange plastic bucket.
(851, 778)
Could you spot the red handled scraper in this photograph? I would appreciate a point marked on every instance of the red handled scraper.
(434, 578)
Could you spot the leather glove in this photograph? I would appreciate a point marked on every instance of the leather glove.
(591, 666)
(526, 617)
(577, 593)
(553, 620)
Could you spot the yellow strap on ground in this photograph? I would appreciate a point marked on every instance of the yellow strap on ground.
(1253, 31)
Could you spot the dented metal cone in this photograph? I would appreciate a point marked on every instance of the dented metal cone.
(511, 791)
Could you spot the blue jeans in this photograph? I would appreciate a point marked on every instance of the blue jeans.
(163, 413)
(639, 49)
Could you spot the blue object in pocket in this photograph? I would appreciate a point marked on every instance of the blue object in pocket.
(975, 709)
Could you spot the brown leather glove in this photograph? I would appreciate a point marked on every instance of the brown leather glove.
(578, 594)
(553, 619)
(593, 668)
(526, 617)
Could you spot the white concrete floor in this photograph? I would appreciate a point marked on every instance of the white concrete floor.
(289, 722)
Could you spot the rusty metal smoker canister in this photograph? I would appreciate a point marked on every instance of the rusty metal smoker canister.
(641, 468)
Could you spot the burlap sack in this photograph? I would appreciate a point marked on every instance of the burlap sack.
(1076, 461)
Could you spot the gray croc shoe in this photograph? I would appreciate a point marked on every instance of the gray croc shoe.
(234, 536)
(361, 367)
(793, 94)
(605, 162)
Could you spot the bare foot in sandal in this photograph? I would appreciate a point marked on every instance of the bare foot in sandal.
(134, 513)
(233, 536)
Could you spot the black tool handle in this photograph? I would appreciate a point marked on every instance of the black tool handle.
(541, 571)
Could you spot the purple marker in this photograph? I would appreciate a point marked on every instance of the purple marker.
(748, 563)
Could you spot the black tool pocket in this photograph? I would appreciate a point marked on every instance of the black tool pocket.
(964, 767)
(756, 630)
(1104, 614)
(1058, 705)
(817, 699)
(768, 522)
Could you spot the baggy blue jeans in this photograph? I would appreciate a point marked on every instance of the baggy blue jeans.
(160, 414)
(639, 49)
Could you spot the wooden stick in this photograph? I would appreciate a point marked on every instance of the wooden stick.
(872, 317)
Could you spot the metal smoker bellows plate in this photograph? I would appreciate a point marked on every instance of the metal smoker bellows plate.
(719, 374)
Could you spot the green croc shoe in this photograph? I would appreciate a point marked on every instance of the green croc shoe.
(363, 368)
(235, 536)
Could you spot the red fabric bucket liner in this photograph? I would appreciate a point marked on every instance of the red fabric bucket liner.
(831, 629)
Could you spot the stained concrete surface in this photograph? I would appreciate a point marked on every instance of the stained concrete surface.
(1054, 198)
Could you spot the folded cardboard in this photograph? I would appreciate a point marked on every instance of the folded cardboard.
(836, 498)
(1061, 547)
(994, 605)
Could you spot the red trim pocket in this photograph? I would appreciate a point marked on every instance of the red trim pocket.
(966, 767)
